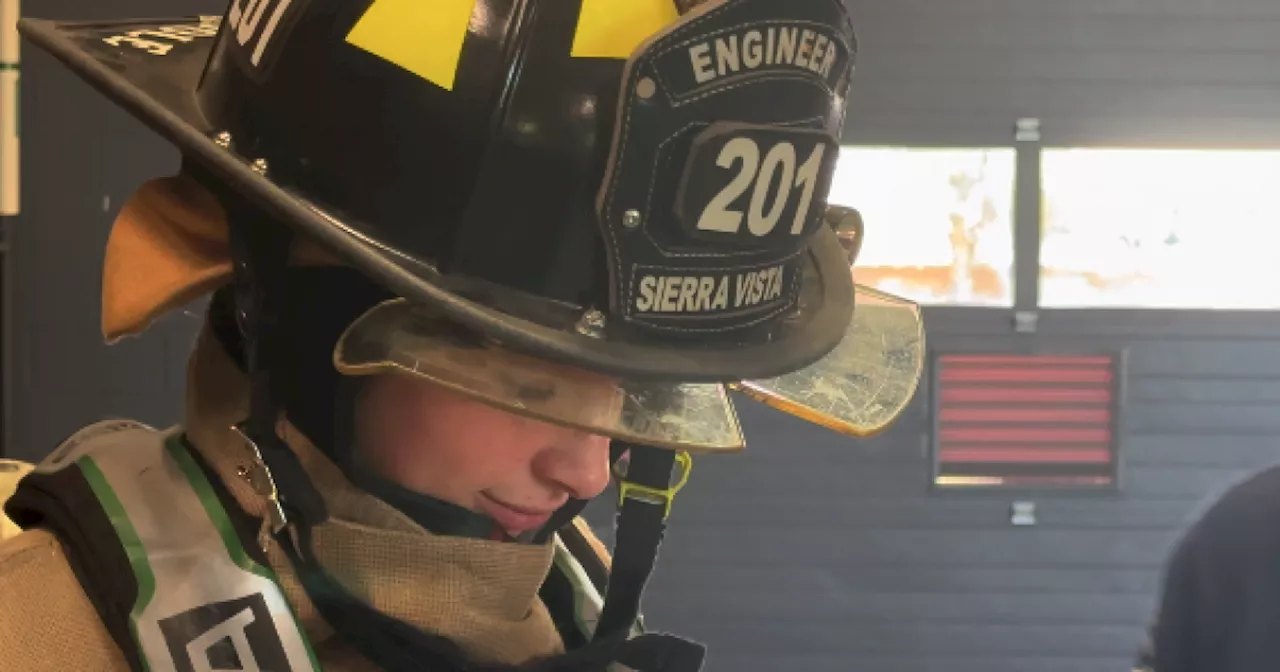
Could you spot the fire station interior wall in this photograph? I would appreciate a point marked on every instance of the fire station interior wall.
(81, 159)
(1094, 72)
(813, 552)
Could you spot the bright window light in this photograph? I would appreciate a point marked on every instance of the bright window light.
(1172, 229)
(938, 221)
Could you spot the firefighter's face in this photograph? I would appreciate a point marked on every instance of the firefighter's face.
(516, 470)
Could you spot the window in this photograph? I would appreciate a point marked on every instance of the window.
(1006, 420)
(939, 223)
(1137, 228)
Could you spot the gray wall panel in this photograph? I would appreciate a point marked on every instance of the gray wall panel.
(882, 663)
(857, 638)
(944, 71)
(81, 159)
(907, 511)
(1258, 391)
(898, 608)
(1038, 547)
(911, 581)
(1242, 452)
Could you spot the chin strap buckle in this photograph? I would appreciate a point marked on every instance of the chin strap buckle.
(259, 476)
(260, 249)
(654, 495)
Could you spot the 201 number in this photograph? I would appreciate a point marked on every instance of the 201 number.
(244, 21)
(758, 176)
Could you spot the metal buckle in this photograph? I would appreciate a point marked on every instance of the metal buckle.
(263, 483)
(663, 496)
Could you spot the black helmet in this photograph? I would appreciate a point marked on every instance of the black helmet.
(602, 184)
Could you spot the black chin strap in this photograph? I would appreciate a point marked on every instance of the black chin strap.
(645, 495)
(561, 518)
(260, 254)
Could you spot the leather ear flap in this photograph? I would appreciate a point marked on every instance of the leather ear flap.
(167, 247)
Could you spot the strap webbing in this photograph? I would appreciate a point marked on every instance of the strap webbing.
(641, 526)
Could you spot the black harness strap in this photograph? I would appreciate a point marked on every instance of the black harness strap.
(64, 503)
(642, 515)
(260, 252)
(646, 493)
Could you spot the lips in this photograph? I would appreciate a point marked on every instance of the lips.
(511, 518)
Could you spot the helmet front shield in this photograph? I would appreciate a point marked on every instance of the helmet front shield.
(859, 389)
(406, 338)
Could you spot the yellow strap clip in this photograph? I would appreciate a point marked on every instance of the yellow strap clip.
(664, 496)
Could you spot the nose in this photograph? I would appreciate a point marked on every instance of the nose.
(578, 464)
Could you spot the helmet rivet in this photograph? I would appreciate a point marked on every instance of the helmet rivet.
(631, 219)
(260, 166)
(223, 139)
(592, 324)
(646, 87)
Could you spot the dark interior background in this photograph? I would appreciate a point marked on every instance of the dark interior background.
(81, 159)
(813, 552)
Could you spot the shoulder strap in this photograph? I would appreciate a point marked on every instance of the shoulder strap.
(179, 591)
(61, 501)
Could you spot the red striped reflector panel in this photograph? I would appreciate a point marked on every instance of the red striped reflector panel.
(1026, 420)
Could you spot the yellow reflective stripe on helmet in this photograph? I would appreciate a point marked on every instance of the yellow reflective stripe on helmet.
(422, 36)
(425, 37)
(614, 28)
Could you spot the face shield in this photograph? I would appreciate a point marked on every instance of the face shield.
(401, 337)
(858, 389)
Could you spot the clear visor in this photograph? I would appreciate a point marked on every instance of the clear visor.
(398, 336)
(858, 389)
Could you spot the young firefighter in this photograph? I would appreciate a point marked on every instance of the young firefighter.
(464, 257)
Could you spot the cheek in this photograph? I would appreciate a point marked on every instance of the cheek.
(441, 445)
(468, 442)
